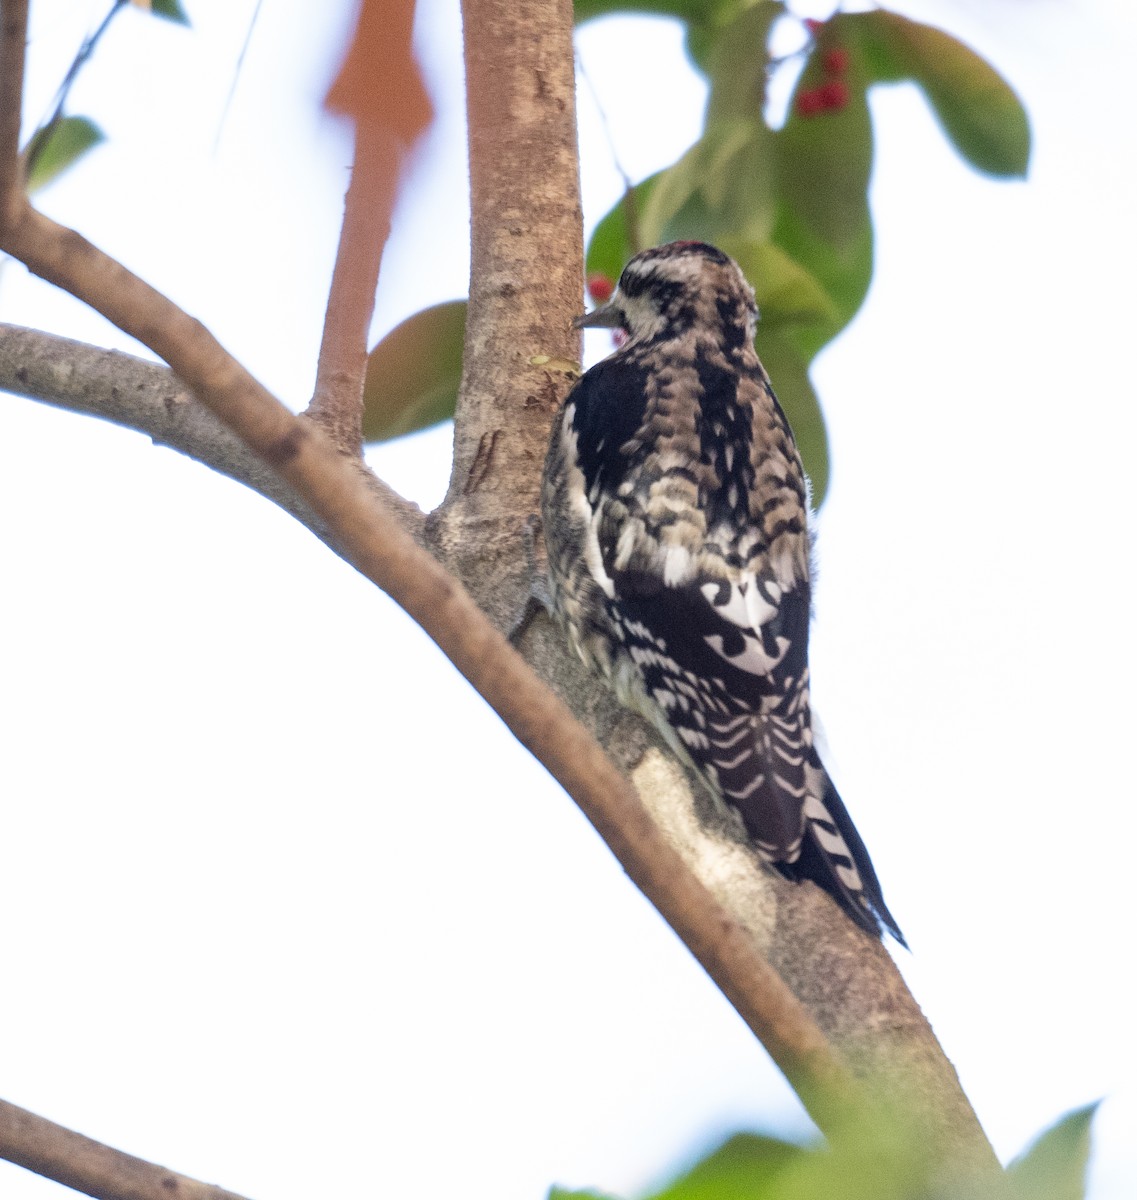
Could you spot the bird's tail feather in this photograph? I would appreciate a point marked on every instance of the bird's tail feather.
(834, 857)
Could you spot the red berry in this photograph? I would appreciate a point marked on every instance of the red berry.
(810, 103)
(812, 24)
(836, 61)
(834, 94)
(600, 287)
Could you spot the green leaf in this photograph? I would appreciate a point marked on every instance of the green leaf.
(786, 292)
(852, 1174)
(977, 108)
(1054, 1166)
(723, 186)
(559, 1193)
(882, 1154)
(720, 186)
(414, 372)
(843, 271)
(824, 160)
(170, 9)
(697, 12)
(706, 161)
(738, 61)
(789, 374)
(58, 146)
(746, 1167)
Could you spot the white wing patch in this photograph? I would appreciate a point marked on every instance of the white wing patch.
(760, 607)
(748, 607)
(678, 565)
(753, 658)
(584, 512)
(745, 605)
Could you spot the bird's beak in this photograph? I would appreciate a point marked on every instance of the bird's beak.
(607, 316)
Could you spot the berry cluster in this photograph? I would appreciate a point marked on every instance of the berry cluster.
(831, 95)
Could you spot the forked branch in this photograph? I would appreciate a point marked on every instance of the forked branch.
(857, 994)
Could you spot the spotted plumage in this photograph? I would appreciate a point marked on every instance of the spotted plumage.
(675, 511)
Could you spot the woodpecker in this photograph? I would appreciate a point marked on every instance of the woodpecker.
(676, 515)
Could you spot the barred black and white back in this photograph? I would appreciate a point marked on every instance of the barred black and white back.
(675, 511)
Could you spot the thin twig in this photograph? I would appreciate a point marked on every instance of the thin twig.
(91, 1167)
(628, 199)
(337, 403)
(39, 140)
(237, 66)
(81, 56)
(604, 124)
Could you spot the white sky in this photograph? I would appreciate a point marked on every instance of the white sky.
(268, 921)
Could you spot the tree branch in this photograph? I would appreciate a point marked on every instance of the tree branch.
(150, 399)
(385, 554)
(380, 550)
(90, 1167)
(527, 283)
(526, 260)
(337, 402)
(13, 40)
(528, 266)
(32, 363)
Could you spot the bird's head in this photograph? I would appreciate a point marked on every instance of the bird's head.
(665, 291)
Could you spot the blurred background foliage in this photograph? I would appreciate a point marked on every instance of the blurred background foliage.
(880, 1159)
(788, 201)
